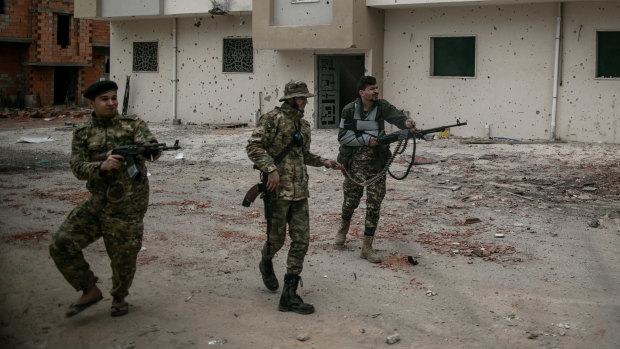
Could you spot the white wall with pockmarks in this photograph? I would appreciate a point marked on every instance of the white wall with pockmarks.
(513, 86)
(588, 107)
(204, 93)
(512, 89)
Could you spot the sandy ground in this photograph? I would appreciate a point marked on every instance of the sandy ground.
(552, 281)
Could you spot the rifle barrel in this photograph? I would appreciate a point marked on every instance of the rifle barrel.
(441, 128)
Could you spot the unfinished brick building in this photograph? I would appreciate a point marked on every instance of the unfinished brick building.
(48, 57)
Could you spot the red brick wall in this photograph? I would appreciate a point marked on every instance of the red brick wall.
(12, 73)
(16, 21)
(42, 85)
(46, 48)
(38, 20)
(90, 75)
(101, 31)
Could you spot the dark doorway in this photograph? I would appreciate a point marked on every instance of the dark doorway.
(337, 77)
(65, 85)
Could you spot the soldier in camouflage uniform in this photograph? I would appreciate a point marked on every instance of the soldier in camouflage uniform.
(116, 206)
(361, 123)
(281, 129)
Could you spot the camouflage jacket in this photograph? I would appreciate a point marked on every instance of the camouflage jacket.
(275, 130)
(96, 138)
(379, 154)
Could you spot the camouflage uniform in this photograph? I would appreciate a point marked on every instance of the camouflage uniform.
(275, 130)
(114, 210)
(363, 162)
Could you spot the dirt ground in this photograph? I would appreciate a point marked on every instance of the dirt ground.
(551, 281)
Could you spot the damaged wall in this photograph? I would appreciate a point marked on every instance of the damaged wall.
(513, 87)
(588, 107)
(287, 13)
(512, 90)
(205, 93)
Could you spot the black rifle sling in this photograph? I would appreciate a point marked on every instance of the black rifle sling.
(284, 152)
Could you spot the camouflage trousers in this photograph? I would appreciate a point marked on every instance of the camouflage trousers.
(121, 228)
(295, 214)
(360, 171)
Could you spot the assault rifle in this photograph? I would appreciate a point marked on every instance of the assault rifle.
(410, 133)
(251, 195)
(129, 152)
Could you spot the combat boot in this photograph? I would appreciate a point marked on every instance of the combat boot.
(341, 235)
(290, 301)
(367, 251)
(269, 277)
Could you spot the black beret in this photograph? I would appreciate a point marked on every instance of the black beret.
(100, 87)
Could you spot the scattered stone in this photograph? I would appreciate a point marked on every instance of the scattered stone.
(462, 156)
(393, 338)
(472, 220)
(488, 157)
(428, 158)
(593, 223)
(303, 337)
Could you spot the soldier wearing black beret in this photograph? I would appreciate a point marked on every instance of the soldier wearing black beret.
(98, 88)
(116, 207)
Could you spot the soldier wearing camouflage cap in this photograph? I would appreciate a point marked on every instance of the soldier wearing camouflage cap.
(117, 204)
(282, 134)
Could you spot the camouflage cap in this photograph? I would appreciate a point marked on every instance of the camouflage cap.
(295, 89)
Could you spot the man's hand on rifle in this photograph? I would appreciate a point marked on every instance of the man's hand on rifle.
(373, 142)
(409, 123)
(335, 165)
(112, 162)
(273, 181)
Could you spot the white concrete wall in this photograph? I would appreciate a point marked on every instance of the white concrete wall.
(513, 87)
(588, 108)
(123, 8)
(286, 13)
(205, 94)
(180, 7)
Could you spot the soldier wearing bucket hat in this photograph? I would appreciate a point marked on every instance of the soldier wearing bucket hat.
(296, 89)
(280, 148)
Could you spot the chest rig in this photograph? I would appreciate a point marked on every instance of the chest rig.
(370, 125)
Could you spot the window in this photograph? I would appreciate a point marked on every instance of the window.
(238, 55)
(63, 28)
(608, 54)
(453, 56)
(145, 56)
(1, 7)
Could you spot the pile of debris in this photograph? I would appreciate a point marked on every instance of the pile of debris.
(46, 113)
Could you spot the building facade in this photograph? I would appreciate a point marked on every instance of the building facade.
(49, 56)
(528, 69)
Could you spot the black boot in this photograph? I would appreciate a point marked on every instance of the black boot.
(290, 301)
(269, 277)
